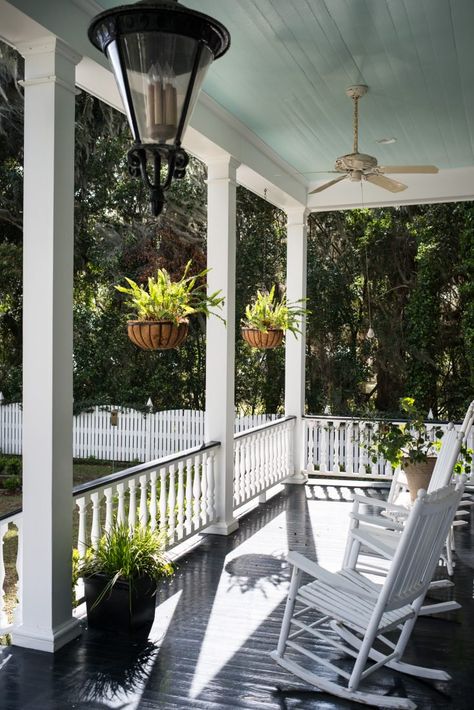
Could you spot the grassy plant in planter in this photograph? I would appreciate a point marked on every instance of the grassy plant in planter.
(267, 319)
(163, 306)
(120, 578)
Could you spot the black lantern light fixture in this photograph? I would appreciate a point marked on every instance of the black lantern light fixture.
(160, 52)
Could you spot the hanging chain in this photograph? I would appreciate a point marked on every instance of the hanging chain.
(366, 262)
(368, 286)
(356, 125)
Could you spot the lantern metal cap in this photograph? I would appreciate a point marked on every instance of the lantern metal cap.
(158, 16)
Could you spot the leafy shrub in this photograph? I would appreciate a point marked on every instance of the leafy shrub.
(13, 468)
(12, 483)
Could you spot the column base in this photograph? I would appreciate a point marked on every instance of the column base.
(270, 493)
(222, 528)
(46, 640)
(298, 477)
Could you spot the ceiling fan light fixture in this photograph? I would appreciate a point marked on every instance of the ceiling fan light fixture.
(356, 166)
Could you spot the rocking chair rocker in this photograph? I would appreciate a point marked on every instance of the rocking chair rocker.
(361, 612)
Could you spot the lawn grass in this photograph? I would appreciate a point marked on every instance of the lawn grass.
(82, 473)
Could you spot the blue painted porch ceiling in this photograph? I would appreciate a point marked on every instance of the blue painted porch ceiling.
(291, 60)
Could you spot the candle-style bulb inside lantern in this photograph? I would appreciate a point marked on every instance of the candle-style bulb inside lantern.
(161, 104)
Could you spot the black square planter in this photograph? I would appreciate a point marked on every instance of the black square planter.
(117, 611)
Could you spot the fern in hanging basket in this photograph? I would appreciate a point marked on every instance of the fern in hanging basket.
(162, 308)
(267, 318)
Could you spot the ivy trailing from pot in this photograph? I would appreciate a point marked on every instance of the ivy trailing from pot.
(121, 575)
(162, 308)
(267, 319)
(409, 445)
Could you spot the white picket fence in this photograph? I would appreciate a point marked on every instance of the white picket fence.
(134, 435)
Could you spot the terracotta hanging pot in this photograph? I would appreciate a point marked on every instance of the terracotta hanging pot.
(418, 475)
(157, 335)
(264, 340)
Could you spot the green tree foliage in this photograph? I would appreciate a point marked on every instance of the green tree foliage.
(11, 220)
(414, 264)
(261, 263)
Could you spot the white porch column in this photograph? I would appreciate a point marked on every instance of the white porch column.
(295, 348)
(220, 345)
(47, 622)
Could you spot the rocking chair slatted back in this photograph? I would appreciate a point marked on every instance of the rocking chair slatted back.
(448, 455)
(468, 420)
(420, 546)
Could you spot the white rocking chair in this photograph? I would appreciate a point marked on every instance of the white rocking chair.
(381, 532)
(361, 612)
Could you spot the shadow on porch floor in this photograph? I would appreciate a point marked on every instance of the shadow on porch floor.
(220, 615)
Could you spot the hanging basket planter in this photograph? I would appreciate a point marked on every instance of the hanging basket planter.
(263, 339)
(162, 306)
(267, 318)
(157, 335)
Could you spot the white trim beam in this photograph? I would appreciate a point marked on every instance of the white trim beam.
(454, 185)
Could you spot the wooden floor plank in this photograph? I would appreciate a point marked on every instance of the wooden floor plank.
(219, 617)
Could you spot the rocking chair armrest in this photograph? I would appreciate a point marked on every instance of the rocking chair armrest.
(377, 503)
(377, 520)
(318, 572)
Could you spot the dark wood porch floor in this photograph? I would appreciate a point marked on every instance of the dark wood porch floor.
(219, 617)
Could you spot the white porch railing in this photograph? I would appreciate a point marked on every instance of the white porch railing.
(135, 436)
(335, 446)
(11, 546)
(175, 495)
(262, 459)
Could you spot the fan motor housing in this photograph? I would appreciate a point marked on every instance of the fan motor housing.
(356, 161)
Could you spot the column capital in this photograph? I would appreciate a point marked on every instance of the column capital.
(297, 216)
(222, 168)
(48, 60)
(48, 45)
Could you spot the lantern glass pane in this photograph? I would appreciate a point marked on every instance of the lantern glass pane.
(158, 71)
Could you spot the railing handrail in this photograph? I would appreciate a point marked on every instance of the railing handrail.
(141, 468)
(368, 420)
(12, 514)
(263, 427)
(126, 473)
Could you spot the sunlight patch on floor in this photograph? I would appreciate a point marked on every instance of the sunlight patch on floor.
(329, 524)
(250, 595)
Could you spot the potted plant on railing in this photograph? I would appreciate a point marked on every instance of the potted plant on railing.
(121, 575)
(162, 308)
(408, 445)
(267, 318)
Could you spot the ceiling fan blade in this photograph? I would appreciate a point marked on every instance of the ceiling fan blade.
(422, 169)
(313, 172)
(386, 183)
(328, 184)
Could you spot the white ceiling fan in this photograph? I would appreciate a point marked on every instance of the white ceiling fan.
(359, 166)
